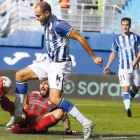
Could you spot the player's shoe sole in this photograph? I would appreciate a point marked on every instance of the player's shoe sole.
(87, 129)
(129, 113)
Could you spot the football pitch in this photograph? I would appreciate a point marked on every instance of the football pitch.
(110, 118)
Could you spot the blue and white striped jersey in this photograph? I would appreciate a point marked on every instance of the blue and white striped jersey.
(127, 48)
(57, 38)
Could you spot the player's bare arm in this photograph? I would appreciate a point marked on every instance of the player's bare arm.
(66, 125)
(75, 35)
(135, 61)
(111, 58)
(25, 107)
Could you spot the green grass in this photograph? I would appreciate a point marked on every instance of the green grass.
(110, 118)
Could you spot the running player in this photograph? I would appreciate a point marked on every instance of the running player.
(57, 67)
(127, 45)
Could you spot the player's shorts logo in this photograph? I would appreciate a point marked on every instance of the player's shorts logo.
(58, 78)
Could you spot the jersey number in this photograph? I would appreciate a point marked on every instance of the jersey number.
(122, 77)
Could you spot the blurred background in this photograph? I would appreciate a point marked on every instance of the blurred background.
(22, 42)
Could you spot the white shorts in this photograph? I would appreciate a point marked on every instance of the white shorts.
(128, 78)
(55, 72)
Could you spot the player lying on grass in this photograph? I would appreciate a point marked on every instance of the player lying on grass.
(39, 112)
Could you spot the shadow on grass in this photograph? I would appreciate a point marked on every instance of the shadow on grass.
(2, 125)
(61, 133)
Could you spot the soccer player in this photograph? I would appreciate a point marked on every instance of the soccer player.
(57, 67)
(127, 45)
(39, 112)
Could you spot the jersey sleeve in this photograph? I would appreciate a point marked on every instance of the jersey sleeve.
(63, 28)
(114, 46)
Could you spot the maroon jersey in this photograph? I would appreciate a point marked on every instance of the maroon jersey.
(39, 105)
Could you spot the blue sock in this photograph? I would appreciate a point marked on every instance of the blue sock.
(21, 87)
(126, 99)
(73, 111)
(132, 94)
(20, 92)
(65, 105)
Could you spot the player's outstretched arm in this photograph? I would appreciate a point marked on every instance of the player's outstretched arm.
(111, 58)
(75, 35)
(135, 61)
(66, 125)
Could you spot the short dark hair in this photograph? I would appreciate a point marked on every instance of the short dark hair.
(44, 6)
(126, 19)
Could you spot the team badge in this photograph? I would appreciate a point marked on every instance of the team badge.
(57, 22)
(131, 39)
(49, 103)
(49, 31)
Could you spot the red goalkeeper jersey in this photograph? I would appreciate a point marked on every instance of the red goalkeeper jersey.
(39, 105)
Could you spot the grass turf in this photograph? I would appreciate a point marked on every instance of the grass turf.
(110, 118)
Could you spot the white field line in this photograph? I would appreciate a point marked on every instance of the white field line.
(107, 138)
(101, 105)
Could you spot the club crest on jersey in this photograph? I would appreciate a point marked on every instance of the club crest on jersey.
(57, 22)
(50, 32)
(49, 102)
(131, 39)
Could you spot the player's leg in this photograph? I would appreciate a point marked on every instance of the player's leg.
(127, 100)
(55, 98)
(134, 91)
(21, 87)
(34, 71)
(41, 122)
(135, 83)
(125, 83)
(57, 80)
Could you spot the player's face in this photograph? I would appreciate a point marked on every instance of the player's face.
(125, 25)
(44, 89)
(42, 17)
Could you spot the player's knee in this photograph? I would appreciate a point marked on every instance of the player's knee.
(59, 114)
(54, 100)
(19, 76)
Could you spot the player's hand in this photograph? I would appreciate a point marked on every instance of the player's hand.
(134, 62)
(70, 132)
(106, 69)
(10, 128)
(98, 61)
